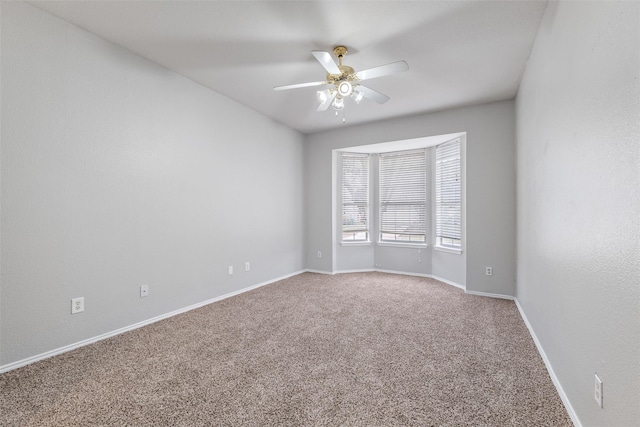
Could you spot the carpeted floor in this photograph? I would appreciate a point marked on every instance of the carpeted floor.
(364, 349)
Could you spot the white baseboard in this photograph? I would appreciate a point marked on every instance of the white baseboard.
(66, 348)
(404, 273)
(319, 272)
(428, 276)
(490, 295)
(363, 270)
(448, 282)
(552, 374)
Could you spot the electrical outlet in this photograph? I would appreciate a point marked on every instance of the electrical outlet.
(144, 291)
(230, 270)
(77, 305)
(597, 393)
(488, 271)
(247, 266)
(319, 254)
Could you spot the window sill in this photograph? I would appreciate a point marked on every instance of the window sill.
(403, 245)
(448, 250)
(355, 243)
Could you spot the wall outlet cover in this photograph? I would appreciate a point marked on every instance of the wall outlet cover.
(77, 305)
(597, 393)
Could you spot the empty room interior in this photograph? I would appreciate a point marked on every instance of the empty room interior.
(320, 213)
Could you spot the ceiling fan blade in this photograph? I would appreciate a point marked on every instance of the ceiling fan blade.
(383, 70)
(299, 85)
(325, 59)
(325, 105)
(373, 95)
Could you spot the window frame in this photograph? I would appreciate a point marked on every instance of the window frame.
(426, 203)
(439, 158)
(366, 204)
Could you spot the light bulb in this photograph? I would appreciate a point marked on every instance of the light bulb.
(357, 96)
(338, 103)
(345, 88)
(322, 96)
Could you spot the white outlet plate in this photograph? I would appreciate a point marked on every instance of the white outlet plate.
(247, 266)
(489, 271)
(77, 305)
(319, 254)
(597, 392)
(144, 291)
(230, 270)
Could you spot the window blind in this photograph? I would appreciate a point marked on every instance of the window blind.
(448, 194)
(355, 197)
(403, 196)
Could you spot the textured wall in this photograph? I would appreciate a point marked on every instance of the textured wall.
(578, 112)
(490, 181)
(117, 173)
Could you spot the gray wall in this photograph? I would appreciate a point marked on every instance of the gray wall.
(490, 191)
(578, 152)
(116, 173)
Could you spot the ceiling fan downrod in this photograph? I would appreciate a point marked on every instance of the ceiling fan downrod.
(340, 52)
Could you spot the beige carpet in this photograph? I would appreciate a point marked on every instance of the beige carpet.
(366, 349)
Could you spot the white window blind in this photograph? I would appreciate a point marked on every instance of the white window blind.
(355, 197)
(403, 196)
(448, 194)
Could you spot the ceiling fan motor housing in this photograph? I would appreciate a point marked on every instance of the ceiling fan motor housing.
(348, 73)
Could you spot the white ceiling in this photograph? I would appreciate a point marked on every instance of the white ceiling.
(459, 52)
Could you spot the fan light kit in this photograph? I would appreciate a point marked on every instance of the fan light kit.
(345, 82)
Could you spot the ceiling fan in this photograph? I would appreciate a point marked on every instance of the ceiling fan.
(345, 81)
